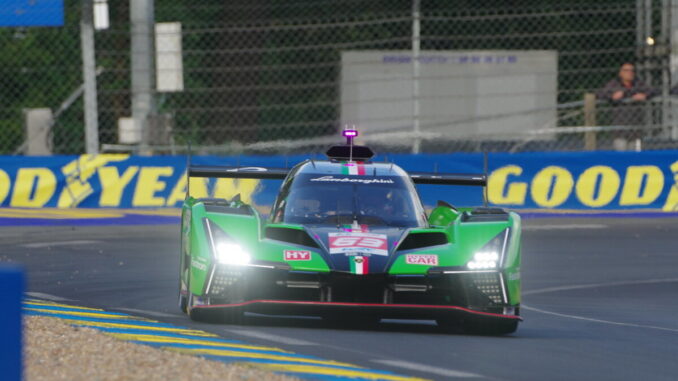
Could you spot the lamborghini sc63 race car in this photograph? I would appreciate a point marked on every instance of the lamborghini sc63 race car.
(349, 238)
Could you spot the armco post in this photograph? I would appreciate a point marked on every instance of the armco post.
(11, 292)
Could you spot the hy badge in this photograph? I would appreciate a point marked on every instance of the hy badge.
(297, 255)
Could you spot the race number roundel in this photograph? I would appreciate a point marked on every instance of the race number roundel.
(358, 242)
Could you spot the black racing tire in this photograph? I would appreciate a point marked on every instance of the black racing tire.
(490, 327)
(193, 313)
(183, 302)
(232, 316)
(218, 315)
(183, 299)
(449, 325)
(204, 315)
(351, 321)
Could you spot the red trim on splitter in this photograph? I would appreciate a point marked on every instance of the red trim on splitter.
(342, 304)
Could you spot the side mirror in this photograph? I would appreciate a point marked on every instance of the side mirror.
(443, 214)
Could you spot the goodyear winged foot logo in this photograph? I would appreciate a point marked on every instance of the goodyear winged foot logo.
(77, 174)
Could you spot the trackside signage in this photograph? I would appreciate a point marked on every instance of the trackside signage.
(590, 181)
(587, 181)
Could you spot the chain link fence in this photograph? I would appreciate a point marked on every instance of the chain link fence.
(264, 76)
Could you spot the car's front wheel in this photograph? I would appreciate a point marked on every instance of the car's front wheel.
(183, 296)
(194, 313)
(351, 321)
(490, 327)
(478, 327)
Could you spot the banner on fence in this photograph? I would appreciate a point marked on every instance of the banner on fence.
(596, 180)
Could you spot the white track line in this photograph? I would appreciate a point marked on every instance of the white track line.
(38, 245)
(598, 320)
(564, 227)
(146, 312)
(597, 285)
(271, 337)
(427, 369)
(54, 298)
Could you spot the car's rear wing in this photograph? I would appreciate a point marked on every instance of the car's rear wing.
(237, 172)
(449, 178)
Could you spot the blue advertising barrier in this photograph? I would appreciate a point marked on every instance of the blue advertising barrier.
(11, 292)
(14, 13)
(571, 181)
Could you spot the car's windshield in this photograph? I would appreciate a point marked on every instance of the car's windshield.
(343, 199)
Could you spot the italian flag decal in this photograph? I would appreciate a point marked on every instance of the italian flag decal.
(359, 264)
(357, 229)
(353, 168)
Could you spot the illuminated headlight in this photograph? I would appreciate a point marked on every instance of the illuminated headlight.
(229, 253)
(484, 260)
(489, 257)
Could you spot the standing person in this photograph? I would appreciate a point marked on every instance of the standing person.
(627, 95)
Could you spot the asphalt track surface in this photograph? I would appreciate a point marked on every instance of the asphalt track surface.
(600, 301)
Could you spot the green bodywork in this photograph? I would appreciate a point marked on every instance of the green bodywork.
(465, 239)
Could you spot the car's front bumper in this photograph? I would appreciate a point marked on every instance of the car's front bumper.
(393, 311)
(279, 290)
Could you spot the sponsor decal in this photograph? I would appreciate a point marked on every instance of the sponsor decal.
(342, 243)
(297, 255)
(352, 254)
(421, 259)
(359, 265)
(198, 265)
(350, 180)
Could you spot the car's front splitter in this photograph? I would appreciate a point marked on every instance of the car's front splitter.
(394, 311)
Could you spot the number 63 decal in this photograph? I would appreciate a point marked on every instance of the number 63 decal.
(358, 242)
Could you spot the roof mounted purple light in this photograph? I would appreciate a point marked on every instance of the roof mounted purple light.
(350, 133)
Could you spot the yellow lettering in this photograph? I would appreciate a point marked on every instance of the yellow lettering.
(633, 194)
(671, 204)
(149, 184)
(5, 184)
(586, 186)
(44, 182)
(496, 186)
(558, 178)
(227, 188)
(113, 185)
(198, 189)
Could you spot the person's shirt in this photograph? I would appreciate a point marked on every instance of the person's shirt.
(636, 87)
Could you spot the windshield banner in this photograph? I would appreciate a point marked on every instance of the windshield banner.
(560, 181)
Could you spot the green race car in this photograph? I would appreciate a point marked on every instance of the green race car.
(349, 240)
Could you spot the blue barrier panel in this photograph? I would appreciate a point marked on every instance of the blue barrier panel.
(14, 13)
(11, 293)
(543, 180)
